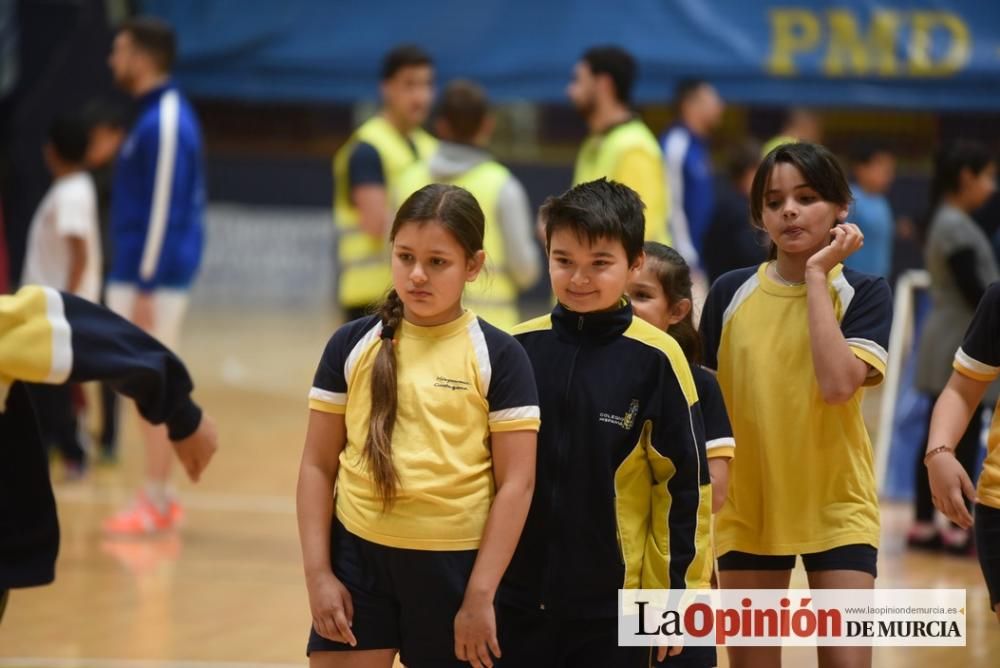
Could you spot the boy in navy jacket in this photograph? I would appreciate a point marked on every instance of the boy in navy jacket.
(622, 494)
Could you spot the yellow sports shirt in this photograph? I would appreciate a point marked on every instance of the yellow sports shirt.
(457, 383)
(804, 480)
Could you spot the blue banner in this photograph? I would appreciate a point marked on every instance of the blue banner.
(920, 54)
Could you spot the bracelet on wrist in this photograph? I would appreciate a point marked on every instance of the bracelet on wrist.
(936, 451)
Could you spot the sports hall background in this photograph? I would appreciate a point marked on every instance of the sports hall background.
(278, 86)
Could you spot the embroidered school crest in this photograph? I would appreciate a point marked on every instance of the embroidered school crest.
(626, 421)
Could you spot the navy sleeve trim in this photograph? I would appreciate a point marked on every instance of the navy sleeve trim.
(107, 347)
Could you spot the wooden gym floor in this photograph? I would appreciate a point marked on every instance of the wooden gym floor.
(227, 591)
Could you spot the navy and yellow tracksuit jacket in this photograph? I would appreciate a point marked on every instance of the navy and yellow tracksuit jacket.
(52, 337)
(622, 493)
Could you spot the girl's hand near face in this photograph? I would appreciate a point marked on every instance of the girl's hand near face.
(846, 239)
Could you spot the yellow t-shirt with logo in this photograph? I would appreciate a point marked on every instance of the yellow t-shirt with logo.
(456, 384)
(979, 359)
(804, 481)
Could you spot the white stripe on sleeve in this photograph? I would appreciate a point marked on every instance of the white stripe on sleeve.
(336, 398)
(972, 364)
(482, 357)
(725, 441)
(166, 163)
(511, 414)
(62, 338)
(871, 347)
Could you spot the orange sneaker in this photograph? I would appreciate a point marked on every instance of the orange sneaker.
(140, 519)
(175, 511)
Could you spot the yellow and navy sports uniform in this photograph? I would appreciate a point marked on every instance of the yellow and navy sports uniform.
(803, 482)
(457, 383)
(622, 492)
(719, 441)
(54, 338)
(979, 359)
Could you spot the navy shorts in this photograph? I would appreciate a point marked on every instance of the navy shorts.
(987, 526)
(690, 657)
(858, 557)
(403, 599)
(541, 639)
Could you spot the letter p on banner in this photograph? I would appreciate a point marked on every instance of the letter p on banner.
(793, 617)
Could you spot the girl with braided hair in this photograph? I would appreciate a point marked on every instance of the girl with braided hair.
(419, 461)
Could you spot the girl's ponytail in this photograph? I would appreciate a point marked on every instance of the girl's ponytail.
(378, 444)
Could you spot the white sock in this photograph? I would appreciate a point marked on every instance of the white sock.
(158, 494)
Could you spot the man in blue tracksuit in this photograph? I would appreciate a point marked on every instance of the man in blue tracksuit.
(689, 168)
(158, 197)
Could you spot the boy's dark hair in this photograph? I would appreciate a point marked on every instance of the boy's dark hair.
(618, 64)
(949, 162)
(865, 150)
(464, 107)
(69, 136)
(154, 36)
(404, 55)
(674, 275)
(597, 210)
(685, 89)
(820, 169)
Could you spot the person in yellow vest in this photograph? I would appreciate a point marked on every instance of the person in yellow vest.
(365, 170)
(464, 124)
(620, 146)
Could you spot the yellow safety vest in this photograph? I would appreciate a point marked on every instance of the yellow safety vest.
(493, 296)
(775, 142)
(600, 154)
(363, 260)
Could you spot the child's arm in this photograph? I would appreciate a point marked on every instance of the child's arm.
(681, 494)
(514, 472)
(839, 371)
(513, 422)
(718, 469)
(976, 364)
(677, 554)
(952, 412)
(51, 337)
(77, 262)
(329, 601)
(720, 445)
